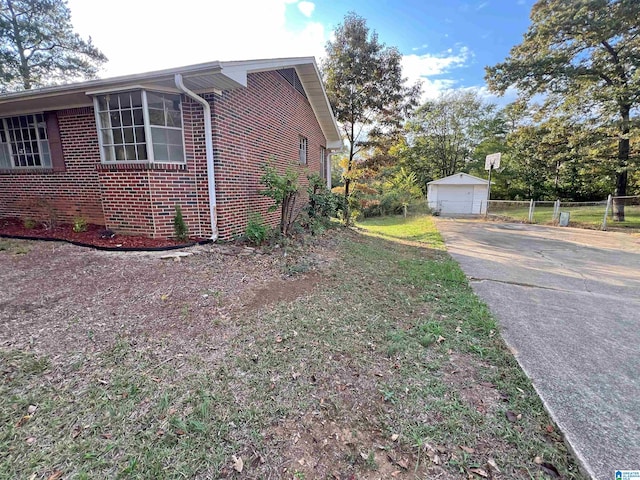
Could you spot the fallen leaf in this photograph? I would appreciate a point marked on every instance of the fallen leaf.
(160, 432)
(537, 460)
(440, 339)
(458, 329)
(278, 339)
(436, 459)
(466, 449)
(295, 375)
(106, 435)
(32, 409)
(519, 416)
(396, 473)
(394, 437)
(512, 417)
(479, 471)
(364, 455)
(180, 432)
(23, 420)
(30, 440)
(550, 428)
(492, 463)
(55, 475)
(76, 431)
(403, 463)
(550, 470)
(238, 464)
(164, 297)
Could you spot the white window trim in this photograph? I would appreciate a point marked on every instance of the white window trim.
(303, 142)
(13, 166)
(147, 129)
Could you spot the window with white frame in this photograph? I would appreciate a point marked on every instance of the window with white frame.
(323, 163)
(23, 142)
(140, 126)
(302, 151)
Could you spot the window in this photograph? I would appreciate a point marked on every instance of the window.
(302, 151)
(140, 126)
(323, 163)
(23, 142)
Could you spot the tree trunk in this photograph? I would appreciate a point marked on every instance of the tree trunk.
(347, 180)
(24, 69)
(623, 162)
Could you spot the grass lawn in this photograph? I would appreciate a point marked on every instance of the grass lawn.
(580, 216)
(385, 366)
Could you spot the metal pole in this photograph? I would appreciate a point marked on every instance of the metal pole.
(606, 212)
(531, 211)
(486, 212)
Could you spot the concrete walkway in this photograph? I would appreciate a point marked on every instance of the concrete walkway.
(568, 302)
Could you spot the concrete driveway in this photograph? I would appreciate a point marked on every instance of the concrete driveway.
(568, 302)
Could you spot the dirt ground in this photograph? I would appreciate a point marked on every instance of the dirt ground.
(58, 298)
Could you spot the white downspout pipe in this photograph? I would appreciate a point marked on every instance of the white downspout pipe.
(208, 141)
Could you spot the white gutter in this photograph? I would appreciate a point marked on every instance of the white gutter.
(208, 140)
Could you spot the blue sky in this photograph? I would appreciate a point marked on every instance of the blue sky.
(445, 43)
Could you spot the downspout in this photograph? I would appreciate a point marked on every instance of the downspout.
(208, 141)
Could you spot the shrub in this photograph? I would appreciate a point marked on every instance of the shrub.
(180, 228)
(29, 223)
(322, 202)
(79, 225)
(283, 189)
(256, 231)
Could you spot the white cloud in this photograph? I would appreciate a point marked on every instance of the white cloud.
(421, 67)
(421, 47)
(482, 5)
(306, 8)
(145, 35)
(415, 66)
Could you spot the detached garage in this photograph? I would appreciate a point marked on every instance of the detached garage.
(458, 194)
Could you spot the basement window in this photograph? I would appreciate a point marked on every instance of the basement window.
(24, 142)
(140, 127)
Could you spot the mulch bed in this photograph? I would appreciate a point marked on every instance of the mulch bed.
(94, 236)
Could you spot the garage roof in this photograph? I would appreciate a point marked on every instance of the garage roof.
(460, 179)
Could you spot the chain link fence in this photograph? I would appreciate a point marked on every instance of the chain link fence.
(603, 214)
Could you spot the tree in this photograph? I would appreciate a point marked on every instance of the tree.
(364, 82)
(581, 53)
(38, 45)
(443, 133)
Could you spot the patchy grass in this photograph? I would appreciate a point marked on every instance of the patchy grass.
(390, 368)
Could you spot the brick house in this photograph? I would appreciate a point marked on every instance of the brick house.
(122, 152)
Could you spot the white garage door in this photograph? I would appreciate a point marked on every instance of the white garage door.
(455, 198)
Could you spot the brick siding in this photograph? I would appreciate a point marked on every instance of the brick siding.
(250, 126)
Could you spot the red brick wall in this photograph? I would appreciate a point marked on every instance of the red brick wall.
(250, 125)
(74, 192)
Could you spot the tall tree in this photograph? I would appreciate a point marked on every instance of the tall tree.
(364, 82)
(444, 132)
(581, 53)
(38, 45)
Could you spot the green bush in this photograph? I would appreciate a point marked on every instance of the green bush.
(79, 225)
(283, 189)
(29, 223)
(180, 228)
(256, 231)
(322, 202)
